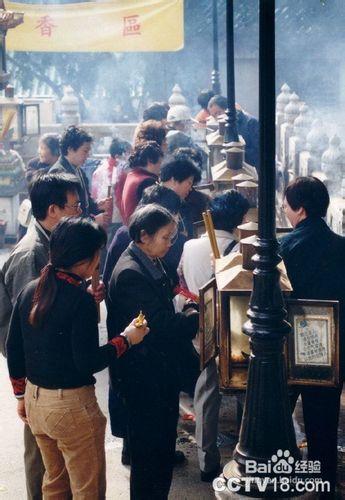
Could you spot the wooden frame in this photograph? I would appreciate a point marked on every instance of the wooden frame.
(25, 110)
(208, 338)
(313, 346)
(233, 375)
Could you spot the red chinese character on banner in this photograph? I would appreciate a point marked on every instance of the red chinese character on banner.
(131, 25)
(45, 24)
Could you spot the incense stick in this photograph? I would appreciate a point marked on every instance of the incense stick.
(211, 234)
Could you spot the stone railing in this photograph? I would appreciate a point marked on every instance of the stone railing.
(304, 148)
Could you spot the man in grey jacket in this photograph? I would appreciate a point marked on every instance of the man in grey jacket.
(52, 196)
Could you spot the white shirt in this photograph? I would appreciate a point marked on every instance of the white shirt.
(196, 259)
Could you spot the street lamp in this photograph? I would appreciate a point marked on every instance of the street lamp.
(215, 73)
(267, 422)
(231, 134)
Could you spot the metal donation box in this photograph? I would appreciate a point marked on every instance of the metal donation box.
(312, 348)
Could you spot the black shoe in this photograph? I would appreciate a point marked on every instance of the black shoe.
(125, 456)
(208, 477)
(125, 459)
(179, 458)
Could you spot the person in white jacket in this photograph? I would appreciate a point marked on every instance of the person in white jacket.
(228, 211)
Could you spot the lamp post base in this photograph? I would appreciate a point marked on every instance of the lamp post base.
(267, 449)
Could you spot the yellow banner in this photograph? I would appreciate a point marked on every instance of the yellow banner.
(116, 26)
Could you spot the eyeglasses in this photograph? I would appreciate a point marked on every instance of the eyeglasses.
(173, 238)
(76, 206)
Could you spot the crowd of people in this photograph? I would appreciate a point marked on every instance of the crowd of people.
(134, 224)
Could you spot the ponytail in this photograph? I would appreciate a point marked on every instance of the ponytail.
(72, 241)
(44, 296)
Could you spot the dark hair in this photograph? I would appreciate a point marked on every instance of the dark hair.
(52, 141)
(51, 189)
(219, 100)
(117, 148)
(179, 140)
(146, 152)
(150, 130)
(157, 111)
(228, 210)
(162, 196)
(74, 137)
(309, 193)
(179, 170)
(73, 240)
(150, 218)
(127, 146)
(204, 97)
(192, 154)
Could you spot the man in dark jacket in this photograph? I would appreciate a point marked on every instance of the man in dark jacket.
(52, 197)
(314, 257)
(75, 149)
(247, 127)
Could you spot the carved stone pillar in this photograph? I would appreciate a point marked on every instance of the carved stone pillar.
(297, 142)
(69, 108)
(316, 144)
(282, 101)
(286, 130)
(176, 97)
(333, 165)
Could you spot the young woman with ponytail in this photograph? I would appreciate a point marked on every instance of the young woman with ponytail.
(53, 351)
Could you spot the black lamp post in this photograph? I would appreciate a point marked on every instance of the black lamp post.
(4, 76)
(267, 422)
(231, 134)
(215, 73)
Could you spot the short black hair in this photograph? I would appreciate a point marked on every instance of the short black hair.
(179, 140)
(192, 154)
(219, 100)
(74, 137)
(146, 152)
(52, 141)
(162, 196)
(309, 193)
(117, 148)
(157, 111)
(204, 97)
(228, 210)
(150, 218)
(179, 170)
(51, 189)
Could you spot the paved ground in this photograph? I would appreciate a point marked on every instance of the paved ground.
(186, 478)
(186, 484)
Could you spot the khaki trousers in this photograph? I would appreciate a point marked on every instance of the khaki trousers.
(34, 468)
(69, 428)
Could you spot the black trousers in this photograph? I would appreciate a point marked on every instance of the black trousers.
(152, 410)
(321, 407)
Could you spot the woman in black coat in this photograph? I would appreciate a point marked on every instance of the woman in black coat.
(152, 375)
